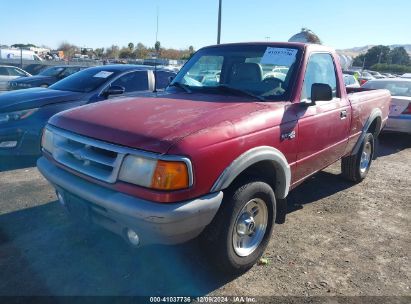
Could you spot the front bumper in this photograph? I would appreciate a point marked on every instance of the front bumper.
(28, 141)
(400, 123)
(155, 223)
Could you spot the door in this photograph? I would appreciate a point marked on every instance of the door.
(323, 127)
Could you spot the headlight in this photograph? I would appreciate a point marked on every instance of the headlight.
(155, 174)
(18, 115)
(47, 141)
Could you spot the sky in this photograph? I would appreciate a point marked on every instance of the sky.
(93, 23)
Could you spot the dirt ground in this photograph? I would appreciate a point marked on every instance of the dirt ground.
(338, 239)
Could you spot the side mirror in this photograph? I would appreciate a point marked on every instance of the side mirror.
(321, 91)
(114, 90)
(170, 79)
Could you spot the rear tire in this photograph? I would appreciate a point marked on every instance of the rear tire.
(241, 230)
(355, 167)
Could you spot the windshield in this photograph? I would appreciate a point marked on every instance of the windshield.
(396, 88)
(51, 71)
(84, 81)
(258, 70)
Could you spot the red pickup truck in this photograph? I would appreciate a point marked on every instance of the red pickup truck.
(217, 153)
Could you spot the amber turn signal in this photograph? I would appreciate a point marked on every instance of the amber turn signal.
(170, 175)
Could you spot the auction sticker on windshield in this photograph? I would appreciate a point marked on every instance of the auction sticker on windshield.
(103, 74)
(279, 56)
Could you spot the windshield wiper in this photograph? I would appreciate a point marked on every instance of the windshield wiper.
(181, 86)
(239, 91)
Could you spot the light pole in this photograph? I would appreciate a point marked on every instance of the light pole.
(219, 22)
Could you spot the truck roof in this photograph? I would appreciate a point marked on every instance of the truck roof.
(299, 45)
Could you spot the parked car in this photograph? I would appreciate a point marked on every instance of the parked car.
(24, 113)
(399, 119)
(215, 160)
(45, 78)
(350, 81)
(8, 73)
(18, 54)
(406, 75)
(376, 75)
(388, 75)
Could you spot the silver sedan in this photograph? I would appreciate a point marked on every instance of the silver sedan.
(8, 73)
(399, 119)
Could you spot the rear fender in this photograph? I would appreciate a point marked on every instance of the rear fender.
(376, 114)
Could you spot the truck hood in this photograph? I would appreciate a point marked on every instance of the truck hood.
(34, 98)
(153, 124)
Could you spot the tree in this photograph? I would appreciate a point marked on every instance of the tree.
(99, 52)
(131, 46)
(126, 53)
(191, 49)
(359, 60)
(113, 51)
(157, 46)
(140, 51)
(399, 56)
(68, 49)
(376, 54)
(392, 68)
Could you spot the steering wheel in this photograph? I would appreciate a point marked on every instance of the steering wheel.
(275, 86)
(273, 82)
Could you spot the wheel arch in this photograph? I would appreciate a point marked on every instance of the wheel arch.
(373, 125)
(255, 158)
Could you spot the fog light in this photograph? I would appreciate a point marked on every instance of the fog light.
(132, 237)
(8, 144)
(61, 199)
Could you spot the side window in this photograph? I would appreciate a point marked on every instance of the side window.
(14, 72)
(320, 69)
(69, 71)
(205, 72)
(162, 79)
(134, 81)
(3, 71)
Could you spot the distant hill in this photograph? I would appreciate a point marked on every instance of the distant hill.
(355, 51)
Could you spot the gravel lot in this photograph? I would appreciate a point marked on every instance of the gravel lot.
(339, 239)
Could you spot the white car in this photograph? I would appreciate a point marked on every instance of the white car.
(399, 119)
(406, 75)
(8, 73)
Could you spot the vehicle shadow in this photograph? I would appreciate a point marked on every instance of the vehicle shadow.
(43, 253)
(324, 183)
(8, 163)
(390, 143)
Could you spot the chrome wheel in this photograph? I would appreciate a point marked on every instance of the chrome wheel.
(365, 157)
(250, 227)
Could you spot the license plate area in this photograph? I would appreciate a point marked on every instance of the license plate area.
(77, 208)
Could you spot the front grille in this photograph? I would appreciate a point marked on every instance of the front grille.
(96, 158)
(91, 157)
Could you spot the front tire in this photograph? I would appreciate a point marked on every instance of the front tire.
(241, 230)
(355, 167)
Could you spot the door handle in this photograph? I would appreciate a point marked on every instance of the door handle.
(343, 114)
